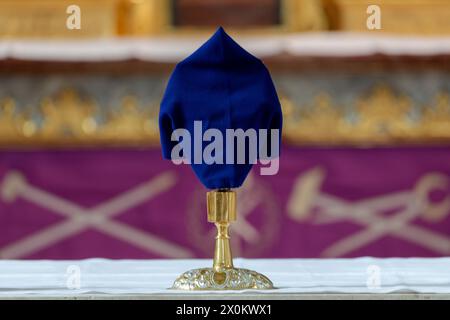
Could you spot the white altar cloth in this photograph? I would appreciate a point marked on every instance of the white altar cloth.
(152, 278)
(173, 48)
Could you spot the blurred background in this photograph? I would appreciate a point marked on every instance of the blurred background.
(365, 164)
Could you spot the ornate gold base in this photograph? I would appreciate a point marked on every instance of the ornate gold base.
(225, 279)
(223, 275)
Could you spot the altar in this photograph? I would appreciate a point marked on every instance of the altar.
(358, 203)
(359, 278)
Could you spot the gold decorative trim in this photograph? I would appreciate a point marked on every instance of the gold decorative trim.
(144, 17)
(108, 18)
(303, 15)
(397, 16)
(47, 18)
(221, 205)
(70, 120)
(381, 118)
(227, 279)
(100, 18)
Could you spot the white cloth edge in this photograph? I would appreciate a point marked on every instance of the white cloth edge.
(153, 277)
(172, 49)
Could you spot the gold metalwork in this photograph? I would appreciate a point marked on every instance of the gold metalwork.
(144, 17)
(398, 16)
(47, 18)
(67, 112)
(100, 18)
(380, 118)
(68, 119)
(222, 211)
(223, 275)
(303, 15)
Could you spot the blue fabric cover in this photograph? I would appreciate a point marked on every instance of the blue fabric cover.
(225, 87)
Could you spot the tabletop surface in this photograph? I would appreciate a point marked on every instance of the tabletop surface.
(360, 278)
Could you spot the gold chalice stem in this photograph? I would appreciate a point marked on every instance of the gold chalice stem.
(221, 211)
(222, 252)
(221, 205)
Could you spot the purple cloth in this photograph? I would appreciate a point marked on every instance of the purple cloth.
(322, 203)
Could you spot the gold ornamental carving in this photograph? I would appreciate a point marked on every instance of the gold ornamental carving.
(381, 116)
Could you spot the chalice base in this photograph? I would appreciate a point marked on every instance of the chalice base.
(223, 279)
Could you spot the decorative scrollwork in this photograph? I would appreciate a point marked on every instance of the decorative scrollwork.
(68, 118)
(226, 279)
(380, 117)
